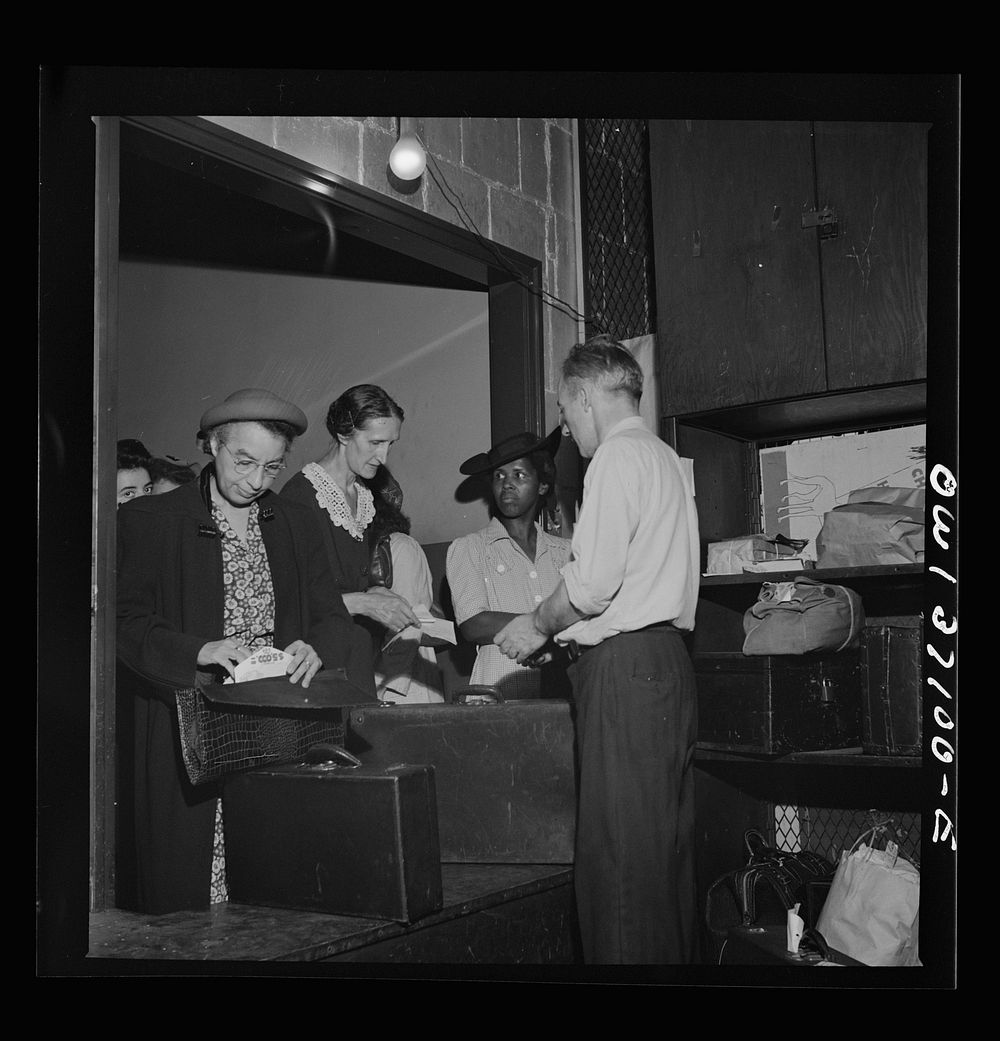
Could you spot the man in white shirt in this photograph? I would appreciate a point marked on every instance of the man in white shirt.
(628, 593)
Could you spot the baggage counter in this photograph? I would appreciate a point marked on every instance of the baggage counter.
(492, 914)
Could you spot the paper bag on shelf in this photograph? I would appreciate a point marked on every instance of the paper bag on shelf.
(877, 526)
(729, 556)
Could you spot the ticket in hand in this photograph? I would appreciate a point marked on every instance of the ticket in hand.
(267, 661)
(431, 629)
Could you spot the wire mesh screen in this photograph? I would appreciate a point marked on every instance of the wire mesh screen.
(828, 831)
(619, 288)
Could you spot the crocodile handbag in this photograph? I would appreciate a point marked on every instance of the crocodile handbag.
(226, 728)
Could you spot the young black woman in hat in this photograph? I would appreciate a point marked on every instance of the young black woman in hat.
(512, 564)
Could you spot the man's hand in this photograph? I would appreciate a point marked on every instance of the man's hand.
(520, 638)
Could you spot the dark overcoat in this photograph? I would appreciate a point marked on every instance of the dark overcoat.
(170, 604)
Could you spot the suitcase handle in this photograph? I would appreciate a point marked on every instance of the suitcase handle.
(325, 754)
(478, 694)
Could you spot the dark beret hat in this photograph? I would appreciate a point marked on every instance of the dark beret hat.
(254, 406)
(514, 447)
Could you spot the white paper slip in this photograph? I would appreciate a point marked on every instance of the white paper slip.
(430, 628)
(268, 661)
(794, 929)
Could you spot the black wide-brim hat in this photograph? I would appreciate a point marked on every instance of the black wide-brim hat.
(254, 406)
(510, 448)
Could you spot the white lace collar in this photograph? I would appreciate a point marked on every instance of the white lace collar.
(331, 499)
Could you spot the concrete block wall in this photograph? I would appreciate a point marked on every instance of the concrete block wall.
(513, 180)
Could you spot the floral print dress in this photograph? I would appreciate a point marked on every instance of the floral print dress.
(249, 615)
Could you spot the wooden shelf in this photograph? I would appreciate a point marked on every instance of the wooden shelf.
(914, 572)
(817, 415)
(830, 757)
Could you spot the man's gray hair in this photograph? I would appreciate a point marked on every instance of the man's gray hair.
(605, 362)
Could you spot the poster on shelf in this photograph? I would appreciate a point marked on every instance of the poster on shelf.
(802, 481)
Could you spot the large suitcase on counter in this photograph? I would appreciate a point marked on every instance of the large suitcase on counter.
(504, 773)
(774, 705)
(352, 841)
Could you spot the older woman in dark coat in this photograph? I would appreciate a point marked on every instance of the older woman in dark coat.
(207, 574)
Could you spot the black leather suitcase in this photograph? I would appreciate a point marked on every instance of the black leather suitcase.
(351, 841)
(504, 773)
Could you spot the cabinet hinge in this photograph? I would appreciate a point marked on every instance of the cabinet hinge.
(825, 220)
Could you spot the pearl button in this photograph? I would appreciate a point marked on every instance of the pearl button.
(533, 574)
(501, 569)
(538, 598)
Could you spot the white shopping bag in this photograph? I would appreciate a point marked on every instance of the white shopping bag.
(872, 907)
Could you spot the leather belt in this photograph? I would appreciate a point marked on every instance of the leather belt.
(577, 650)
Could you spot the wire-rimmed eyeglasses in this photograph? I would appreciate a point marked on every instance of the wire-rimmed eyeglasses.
(247, 466)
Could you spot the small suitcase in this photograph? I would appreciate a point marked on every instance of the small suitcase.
(892, 660)
(774, 705)
(504, 773)
(351, 841)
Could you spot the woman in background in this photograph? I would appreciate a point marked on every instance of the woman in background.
(168, 474)
(364, 423)
(134, 479)
(406, 672)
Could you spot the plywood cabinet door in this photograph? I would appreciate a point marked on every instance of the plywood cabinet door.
(874, 177)
(754, 306)
(739, 315)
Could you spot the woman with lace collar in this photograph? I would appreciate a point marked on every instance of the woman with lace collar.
(364, 423)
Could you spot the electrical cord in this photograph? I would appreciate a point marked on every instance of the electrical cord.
(553, 301)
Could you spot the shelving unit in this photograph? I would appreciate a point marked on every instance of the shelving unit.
(770, 333)
(817, 799)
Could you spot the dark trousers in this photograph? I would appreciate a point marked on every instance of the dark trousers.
(634, 863)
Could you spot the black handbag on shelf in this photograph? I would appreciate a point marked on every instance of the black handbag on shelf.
(762, 892)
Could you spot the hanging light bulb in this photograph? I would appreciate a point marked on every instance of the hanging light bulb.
(407, 159)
